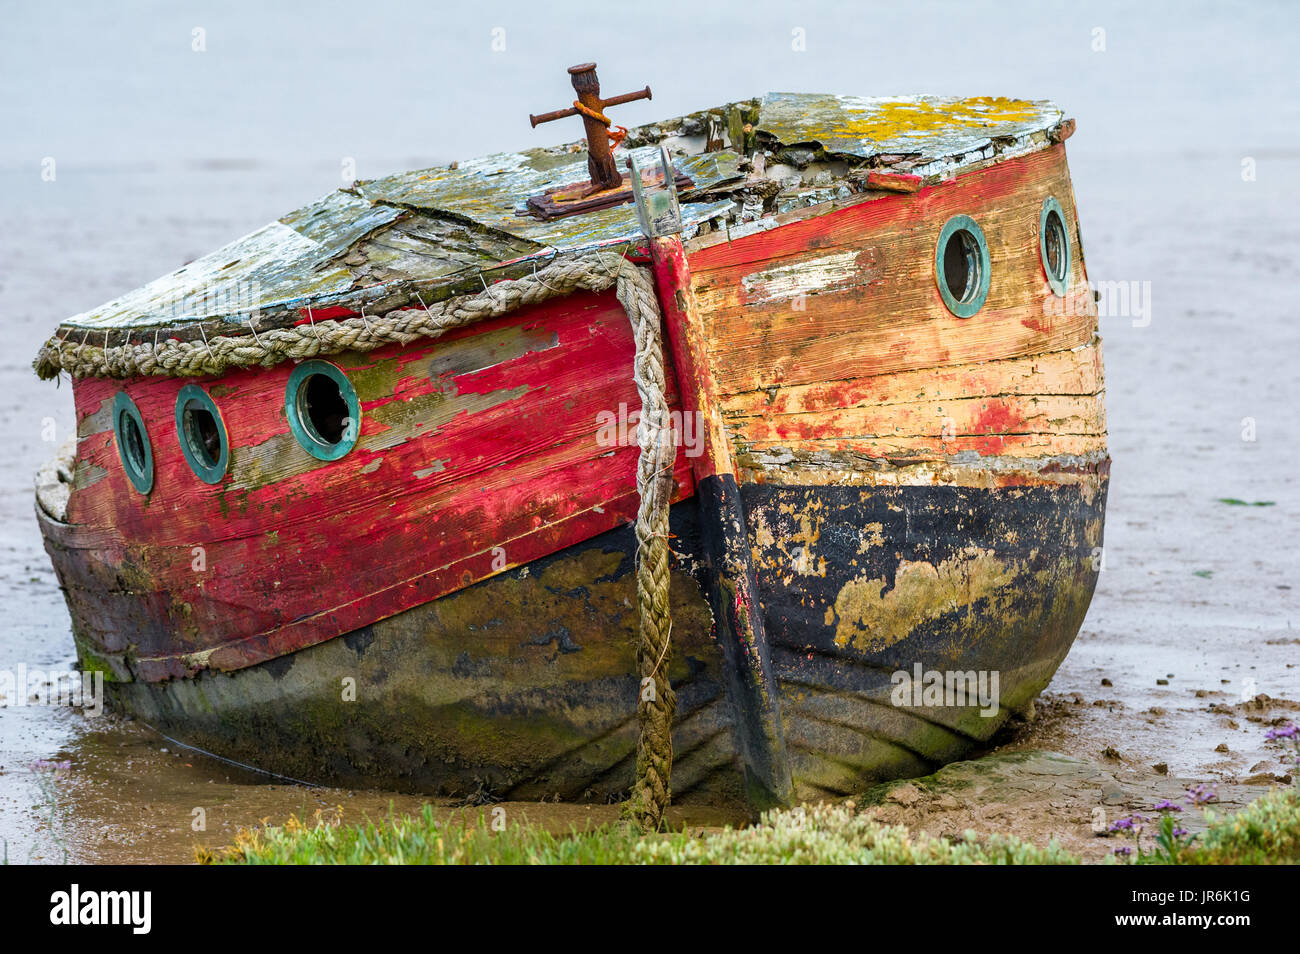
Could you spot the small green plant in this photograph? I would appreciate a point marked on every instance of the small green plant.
(1266, 832)
(1171, 837)
(817, 834)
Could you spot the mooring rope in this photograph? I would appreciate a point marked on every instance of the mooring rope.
(404, 325)
(656, 702)
(594, 271)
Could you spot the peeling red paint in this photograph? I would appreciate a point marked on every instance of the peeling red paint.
(309, 550)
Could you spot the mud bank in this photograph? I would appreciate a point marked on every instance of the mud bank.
(1041, 797)
(132, 797)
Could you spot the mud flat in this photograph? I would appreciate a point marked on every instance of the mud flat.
(1040, 797)
(135, 798)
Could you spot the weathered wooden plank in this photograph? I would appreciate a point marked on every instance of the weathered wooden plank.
(868, 303)
(684, 324)
(1005, 415)
(1032, 459)
(892, 449)
(1074, 371)
(893, 181)
(733, 595)
(935, 133)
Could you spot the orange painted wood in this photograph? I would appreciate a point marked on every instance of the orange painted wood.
(1005, 415)
(852, 293)
(1076, 371)
(893, 181)
(1048, 404)
(834, 353)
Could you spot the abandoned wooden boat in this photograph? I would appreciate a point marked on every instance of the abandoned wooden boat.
(300, 529)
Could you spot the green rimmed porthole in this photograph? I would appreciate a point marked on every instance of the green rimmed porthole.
(323, 410)
(1054, 246)
(961, 266)
(133, 443)
(202, 434)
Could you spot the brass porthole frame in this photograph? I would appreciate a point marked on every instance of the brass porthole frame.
(1060, 284)
(971, 300)
(140, 472)
(189, 397)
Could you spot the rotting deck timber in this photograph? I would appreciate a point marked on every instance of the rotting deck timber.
(429, 234)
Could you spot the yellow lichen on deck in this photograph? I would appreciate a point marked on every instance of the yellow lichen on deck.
(907, 117)
(945, 132)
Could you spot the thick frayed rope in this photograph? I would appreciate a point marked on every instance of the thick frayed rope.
(217, 354)
(654, 482)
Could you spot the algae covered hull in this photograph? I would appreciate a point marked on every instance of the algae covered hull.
(413, 564)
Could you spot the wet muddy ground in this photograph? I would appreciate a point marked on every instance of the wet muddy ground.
(1190, 650)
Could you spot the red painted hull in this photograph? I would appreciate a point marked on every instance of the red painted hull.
(293, 552)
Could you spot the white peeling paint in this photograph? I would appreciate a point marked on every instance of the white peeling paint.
(806, 277)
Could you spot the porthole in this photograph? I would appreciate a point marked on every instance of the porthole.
(133, 443)
(322, 409)
(1054, 246)
(961, 266)
(202, 434)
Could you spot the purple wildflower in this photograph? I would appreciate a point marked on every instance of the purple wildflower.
(1287, 731)
(1133, 823)
(1124, 850)
(1200, 795)
(1180, 832)
(1165, 805)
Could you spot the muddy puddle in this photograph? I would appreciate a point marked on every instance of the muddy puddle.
(133, 797)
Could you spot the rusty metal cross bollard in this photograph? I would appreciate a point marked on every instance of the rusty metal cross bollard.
(600, 160)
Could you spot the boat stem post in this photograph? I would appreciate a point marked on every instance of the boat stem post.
(733, 594)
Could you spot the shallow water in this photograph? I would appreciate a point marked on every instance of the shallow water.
(1194, 592)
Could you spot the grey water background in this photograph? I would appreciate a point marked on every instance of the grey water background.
(162, 153)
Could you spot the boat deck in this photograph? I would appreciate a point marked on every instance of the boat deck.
(446, 230)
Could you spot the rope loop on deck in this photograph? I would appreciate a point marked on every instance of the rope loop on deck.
(592, 271)
(314, 338)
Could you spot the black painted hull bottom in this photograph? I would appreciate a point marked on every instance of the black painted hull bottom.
(523, 685)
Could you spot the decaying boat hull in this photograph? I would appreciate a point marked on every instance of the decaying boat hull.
(860, 584)
(522, 685)
(890, 485)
